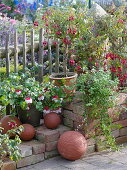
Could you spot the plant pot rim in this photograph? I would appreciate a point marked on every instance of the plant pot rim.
(70, 75)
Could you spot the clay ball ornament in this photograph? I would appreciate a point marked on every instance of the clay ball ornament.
(72, 145)
(52, 120)
(9, 122)
(28, 132)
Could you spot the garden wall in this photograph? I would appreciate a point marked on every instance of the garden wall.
(72, 117)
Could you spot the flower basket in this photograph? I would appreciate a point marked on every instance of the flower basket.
(31, 116)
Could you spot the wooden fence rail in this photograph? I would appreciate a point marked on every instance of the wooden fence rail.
(31, 47)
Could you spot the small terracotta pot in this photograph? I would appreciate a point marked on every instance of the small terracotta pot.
(72, 145)
(4, 123)
(52, 120)
(28, 132)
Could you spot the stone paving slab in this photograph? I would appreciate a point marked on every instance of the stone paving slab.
(96, 161)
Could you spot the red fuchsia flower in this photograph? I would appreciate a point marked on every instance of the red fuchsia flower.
(45, 90)
(55, 98)
(44, 17)
(55, 26)
(119, 69)
(105, 63)
(96, 64)
(58, 33)
(36, 23)
(111, 56)
(78, 67)
(54, 42)
(71, 18)
(81, 38)
(113, 69)
(119, 75)
(40, 97)
(46, 24)
(8, 8)
(72, 62)
(66, 41)
(12, 124)
(45, 43)
(18, 91)
(90, 59)
(46, 110)
(123, 61)
(28, 100)
(105, 69)
(120, 21)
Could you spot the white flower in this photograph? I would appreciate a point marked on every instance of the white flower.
(40, 97)
(28, 100)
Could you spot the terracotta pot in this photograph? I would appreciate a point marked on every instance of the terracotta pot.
(31, 116)
(52, 120)
(4, 123)
(28, 132)
(60, 80)
(72, 145)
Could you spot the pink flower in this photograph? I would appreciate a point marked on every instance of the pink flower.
(81, 38)
(71, 18)
(58, 33)
(119, 69)
(12, 124)
(18, 91)
(40, 97)
(45, 43)
(2, 4)
(36, 23)
(54, 42)
(96, 64)
(8, 8)
(55, 26)
(90, 59)
(123, 61)
(17, 11)
(72, 62)
(28, 100)
(13, 21)
(66, 41)
(120, 21)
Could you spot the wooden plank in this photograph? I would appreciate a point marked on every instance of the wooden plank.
(32, 47)
(57, 58)
(24, 51)
(16, 52)
(7, 56)
(41, 55)
(49, 56)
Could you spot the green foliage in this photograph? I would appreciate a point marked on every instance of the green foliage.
(98, 94)
(10, 146)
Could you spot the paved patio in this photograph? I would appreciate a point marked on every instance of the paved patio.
(97, 161)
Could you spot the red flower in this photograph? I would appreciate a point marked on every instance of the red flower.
(90, 59)
(58, 33)
(119, 69)
(36, 23)
(54, 42)
(12, 124)
(45, 43)
(78, 67)
(66, 41)
(55, 26)
(105, 70)
(123, 61)
(72, 62)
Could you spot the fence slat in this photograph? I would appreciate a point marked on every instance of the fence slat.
(16, 52)
(24, 50)
(41, 54)
(7, 56)
(57, 58)
(32, 47)
(49, 56)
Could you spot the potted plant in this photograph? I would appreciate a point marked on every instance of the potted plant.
(22, 93)
(9, 147)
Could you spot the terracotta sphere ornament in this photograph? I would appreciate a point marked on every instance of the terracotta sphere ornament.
(52, 120)
(28, 132)
(9, 122)
(72, 145)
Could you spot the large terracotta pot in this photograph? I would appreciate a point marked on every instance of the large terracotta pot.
(4, 123)
(52, 120)
(72, 145)
(31, 116)
(60, 80)
(28, 132)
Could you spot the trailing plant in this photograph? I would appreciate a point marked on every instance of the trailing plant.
(98, 95)
(9, 147)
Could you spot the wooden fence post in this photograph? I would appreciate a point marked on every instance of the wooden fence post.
(16, 52)
(7, 56)
(32, 47)
(41, 54)
(57, 58)
(24, 51)
(49, 56)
